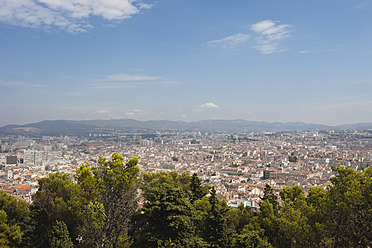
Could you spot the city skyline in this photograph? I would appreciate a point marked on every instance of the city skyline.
(186, 60)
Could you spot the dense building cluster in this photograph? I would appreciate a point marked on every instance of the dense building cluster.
(237, 165)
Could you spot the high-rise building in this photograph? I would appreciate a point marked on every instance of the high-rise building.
(34, 157)
(11, 159)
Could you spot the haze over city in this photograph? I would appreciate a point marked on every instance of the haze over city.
(191, 60)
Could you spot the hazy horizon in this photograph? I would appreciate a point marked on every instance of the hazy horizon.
(292, 61)
(123, 118)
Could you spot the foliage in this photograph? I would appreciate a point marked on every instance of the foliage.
(167, 216)
(269, 195)
(234, 166)
(240, 217)
(110, 198)
(10, 236)
(216, 231)
(349, 209)
(60, 237)
(292, 158)
(16, 210)
(293, 221)
(251, 239)
(13, 220)
(58, 199)
(154, 180)
(268, 222)
(197, 191)
(290, 194)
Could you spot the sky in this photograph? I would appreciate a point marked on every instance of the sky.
(291, 60)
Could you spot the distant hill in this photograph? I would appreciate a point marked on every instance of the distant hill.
(59, 127)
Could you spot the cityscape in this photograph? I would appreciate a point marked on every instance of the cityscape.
(188, 124)
(238, 165)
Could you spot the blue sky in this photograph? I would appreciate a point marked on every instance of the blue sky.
(188, 60)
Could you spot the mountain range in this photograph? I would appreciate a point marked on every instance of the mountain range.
(58, 127)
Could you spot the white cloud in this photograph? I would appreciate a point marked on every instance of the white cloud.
(145, 5)
(230, 41)
(270, 33)
(266, 47)
(277, 33)
(262, 26)
(68, 15)
(209, 105)
(135, 113)
(205, 106)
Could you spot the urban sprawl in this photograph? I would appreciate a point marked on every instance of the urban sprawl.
(238, 165)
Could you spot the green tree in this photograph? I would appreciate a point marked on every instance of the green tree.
(109, 200)
(240, 217)
(293, 223)
(57, 199)
(156, 179)
(291, 193)
(349, 209)
(10, 236)
(251, 239)
(202, 207)
(271, 197)
(292, 158)
(166, 218)
(316, 200)
(269, 223)
(216, 228)
(16, 210)
(60, 237)
(197, 190)
(14, 218)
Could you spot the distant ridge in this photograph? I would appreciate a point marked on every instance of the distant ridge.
(54, 127)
